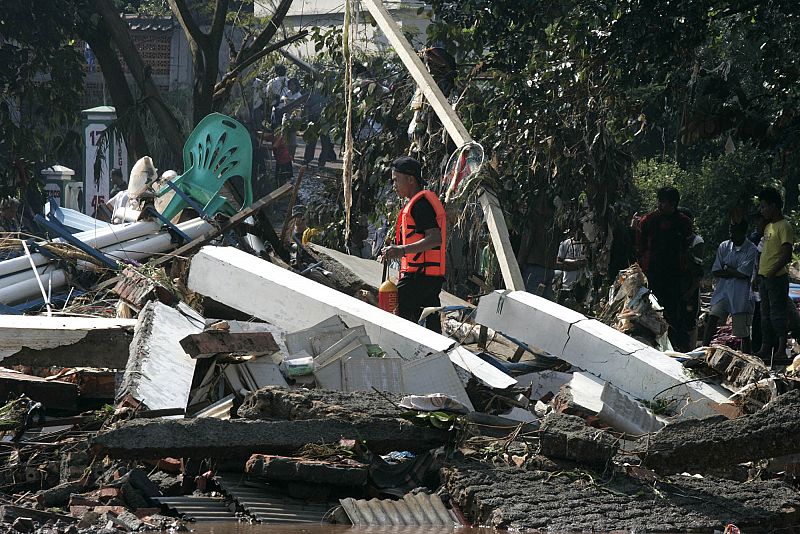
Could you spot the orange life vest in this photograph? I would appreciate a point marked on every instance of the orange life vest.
(430, 262)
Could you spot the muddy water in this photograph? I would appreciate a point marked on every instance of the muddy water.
(246, 528)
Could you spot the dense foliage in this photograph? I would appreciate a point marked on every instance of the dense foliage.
(40, 84)
(573, 99)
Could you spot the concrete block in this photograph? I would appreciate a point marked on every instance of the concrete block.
(569, 438)
(636, 369)
(65, 341)
(587, 395)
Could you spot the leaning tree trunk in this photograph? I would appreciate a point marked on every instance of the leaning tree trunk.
(121, 95)
(167, 123)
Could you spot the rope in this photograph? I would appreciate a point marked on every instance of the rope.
(347, 160)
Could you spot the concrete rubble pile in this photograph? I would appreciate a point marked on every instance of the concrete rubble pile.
(212, 374)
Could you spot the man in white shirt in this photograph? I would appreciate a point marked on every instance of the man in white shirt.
(276, 89)
(733, 270)
(571, 262)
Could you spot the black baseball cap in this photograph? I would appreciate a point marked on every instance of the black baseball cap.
(408, 165)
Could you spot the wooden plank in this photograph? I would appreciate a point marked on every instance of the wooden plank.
(492, 212)
(496, 221)
(212, 342)
(455, 128)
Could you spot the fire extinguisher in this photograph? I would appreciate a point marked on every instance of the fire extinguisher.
(387, 293)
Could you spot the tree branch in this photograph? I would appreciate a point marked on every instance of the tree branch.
(222, 88)
(267, 34)
(119, 32)
(218, 23)
(187, 22)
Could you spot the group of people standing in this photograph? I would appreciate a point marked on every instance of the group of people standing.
(282, 104)
(751, 277)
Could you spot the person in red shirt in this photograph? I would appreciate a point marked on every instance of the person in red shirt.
(663, 242)
(420, 244)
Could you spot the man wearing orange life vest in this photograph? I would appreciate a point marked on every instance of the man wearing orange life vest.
(420, 244)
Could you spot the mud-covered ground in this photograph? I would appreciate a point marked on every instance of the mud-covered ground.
(582, 500)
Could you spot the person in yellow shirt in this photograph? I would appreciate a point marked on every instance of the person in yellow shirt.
(773, 277)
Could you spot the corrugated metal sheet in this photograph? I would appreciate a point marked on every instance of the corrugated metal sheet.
(268, 505)
(198, 508)
(418, 509)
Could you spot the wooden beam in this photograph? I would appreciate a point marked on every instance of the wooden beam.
(496, 221)
(419, 72)
(492, 212)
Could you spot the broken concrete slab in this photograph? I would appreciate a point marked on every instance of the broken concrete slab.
(294, 302)
(587, 395)
(215, 438)
(636, 369)
(276, 295)
(159, 372)
(572, 501)
(697, 444)
(211, 342)
(288, 469)
(40, 341)
(481, 369)
(276, 403)
(544, 383)
(568, 437)
(356, 273)
(53, 394)
(434, 374)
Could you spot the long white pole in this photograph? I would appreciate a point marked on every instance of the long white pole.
(137, 249)
(99, 238)
(492, 212)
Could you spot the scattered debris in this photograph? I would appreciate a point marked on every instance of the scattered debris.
(221, 382)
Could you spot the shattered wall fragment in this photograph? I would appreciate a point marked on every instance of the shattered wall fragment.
(640, 371)
(159, 373)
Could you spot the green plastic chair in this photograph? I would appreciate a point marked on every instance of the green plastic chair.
(218, 149)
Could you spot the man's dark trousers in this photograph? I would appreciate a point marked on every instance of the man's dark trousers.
(667, 290)
(774, 310)
(416, 291)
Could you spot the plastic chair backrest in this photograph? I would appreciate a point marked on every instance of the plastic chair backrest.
(218, 149)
